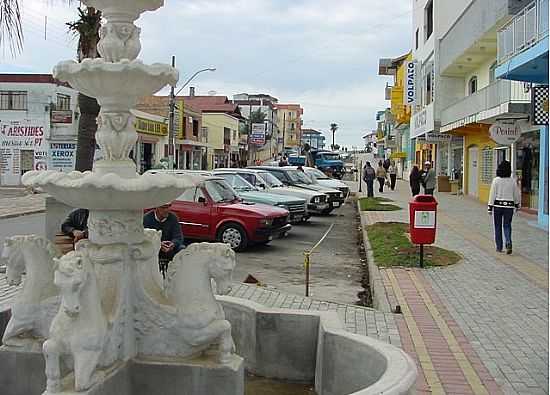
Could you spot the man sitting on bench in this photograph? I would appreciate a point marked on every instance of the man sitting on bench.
(76, 224)
(172, 238)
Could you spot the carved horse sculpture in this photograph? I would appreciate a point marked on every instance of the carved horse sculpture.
(37, 302)
(79, 328)
(187, 319)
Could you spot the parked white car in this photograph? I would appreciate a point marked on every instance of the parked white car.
(322, 179)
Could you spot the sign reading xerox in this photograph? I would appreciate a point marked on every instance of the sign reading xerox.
(62, 156)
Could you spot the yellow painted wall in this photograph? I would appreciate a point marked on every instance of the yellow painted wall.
(401, 112)
(481, 140)
(215, 124)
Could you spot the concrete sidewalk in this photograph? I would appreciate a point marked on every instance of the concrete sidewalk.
(480, 326)
(18, 201)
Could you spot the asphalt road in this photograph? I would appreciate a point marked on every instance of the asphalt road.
(335, 267)
(23, 225)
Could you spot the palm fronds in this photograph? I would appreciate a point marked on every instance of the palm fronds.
(11, 29)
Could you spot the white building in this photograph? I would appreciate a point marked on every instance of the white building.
(38, 125)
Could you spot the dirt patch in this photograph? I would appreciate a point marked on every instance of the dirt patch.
(255, 385)
(365, 296)
(391, 246)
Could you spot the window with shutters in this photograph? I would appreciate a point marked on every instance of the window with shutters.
(13, 100)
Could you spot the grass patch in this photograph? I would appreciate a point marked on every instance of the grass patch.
(391, 247)
(377, 204)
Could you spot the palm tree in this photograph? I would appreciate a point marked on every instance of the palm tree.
(333, 128)
(87, 28)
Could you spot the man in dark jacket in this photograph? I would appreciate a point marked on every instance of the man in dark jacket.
(76, 224)
(172, 238)
(369, 175)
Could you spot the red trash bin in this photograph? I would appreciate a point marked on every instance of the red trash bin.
(423, 219)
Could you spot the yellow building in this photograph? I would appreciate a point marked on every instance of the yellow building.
(152, 133)
(223, 137)
(289, 125)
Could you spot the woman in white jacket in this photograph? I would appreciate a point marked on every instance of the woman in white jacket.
(504, 199)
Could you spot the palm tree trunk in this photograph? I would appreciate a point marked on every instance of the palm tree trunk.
(333, 139)
(87, 126)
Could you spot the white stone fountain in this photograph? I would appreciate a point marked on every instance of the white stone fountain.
(100, 319)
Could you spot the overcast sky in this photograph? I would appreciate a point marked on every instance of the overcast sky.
(322, 54)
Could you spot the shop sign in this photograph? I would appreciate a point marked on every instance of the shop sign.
(16, 136)
(433, 137)
(62, 156)
(422, 121)
(399, 155)
(505, 132)
(410, 83)
(61, 116)
(147, 126)
(257, 137)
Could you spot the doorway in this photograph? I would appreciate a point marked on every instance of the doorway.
(472, 171)
(26, 161)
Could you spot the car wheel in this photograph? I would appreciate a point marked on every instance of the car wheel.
(234, 235)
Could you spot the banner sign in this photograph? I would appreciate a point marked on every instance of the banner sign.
(505, 132)
(433, 137)
(61, 116)
(27, 136)
(410, 82)
(62, 156)
(258, 134)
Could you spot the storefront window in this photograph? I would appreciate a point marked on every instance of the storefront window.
(487, 173)
(527, 163)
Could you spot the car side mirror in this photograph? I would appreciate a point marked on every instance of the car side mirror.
(202, 200)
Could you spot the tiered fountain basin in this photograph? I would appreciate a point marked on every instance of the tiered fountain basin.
(288, 345)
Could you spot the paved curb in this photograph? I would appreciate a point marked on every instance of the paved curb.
(378, 291)
(23, 213)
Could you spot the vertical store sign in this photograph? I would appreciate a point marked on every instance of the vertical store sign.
(410, 83)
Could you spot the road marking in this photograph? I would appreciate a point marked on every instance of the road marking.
(432, 378)
(467, 368)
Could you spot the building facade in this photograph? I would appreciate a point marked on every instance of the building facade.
(314, 138)
(38, 125)
(289, 127)
(523, 60)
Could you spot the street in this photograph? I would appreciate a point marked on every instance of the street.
(335, 267)
(22, 225)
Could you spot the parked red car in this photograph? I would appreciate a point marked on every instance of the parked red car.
(213, 211)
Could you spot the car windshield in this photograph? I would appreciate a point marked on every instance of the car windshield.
(316, 173)
(270, 180)
(220, 191)
(299, 177)
(330, 156)
(237, 182)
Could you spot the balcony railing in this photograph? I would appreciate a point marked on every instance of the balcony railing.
(493, 95)
(526, 29)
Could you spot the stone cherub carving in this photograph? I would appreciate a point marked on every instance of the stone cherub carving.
(37, 302)
(79, 329)
(185, 318)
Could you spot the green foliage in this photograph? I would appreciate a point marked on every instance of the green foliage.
(391, 247)
(258, 116)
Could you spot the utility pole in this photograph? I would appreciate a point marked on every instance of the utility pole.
(171, 134)
(284, 129)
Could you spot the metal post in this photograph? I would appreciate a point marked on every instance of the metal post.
(171, 134)
(306, 264)
(421, 255)
(360, 171)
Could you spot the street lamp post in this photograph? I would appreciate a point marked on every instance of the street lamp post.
(172, 107)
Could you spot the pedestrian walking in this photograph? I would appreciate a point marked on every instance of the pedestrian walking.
(368, 176)
(504, 199)
(392, 170)
(414, 180)
(381, 176)
(428, 179)
(283, 162)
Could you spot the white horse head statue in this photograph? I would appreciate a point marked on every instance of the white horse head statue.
(36, 303)
(70, 277)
